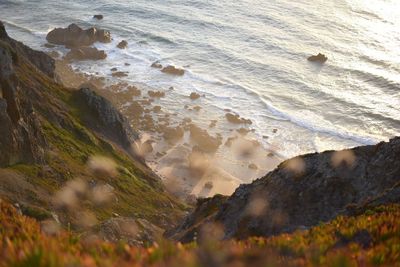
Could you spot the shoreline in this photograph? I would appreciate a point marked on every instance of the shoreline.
(172, 150)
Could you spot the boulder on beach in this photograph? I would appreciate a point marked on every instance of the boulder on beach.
(85, 53)
(156, 65)
(75, 36)
(122, 45)
(173, 70)
(98, 17)
(321, 58)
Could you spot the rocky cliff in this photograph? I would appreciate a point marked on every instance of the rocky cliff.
(302, 192)
(21, 139)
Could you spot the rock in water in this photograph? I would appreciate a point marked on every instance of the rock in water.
(98, 17)
(173, 70)
(74, 36)
(85, 53)
(156, 65)
(194, 96)
(236, 119)
(321, 58)
(122, 45)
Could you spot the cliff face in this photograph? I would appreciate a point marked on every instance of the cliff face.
(104, 118)
(62, 146)
(21, 139)
(302, 192)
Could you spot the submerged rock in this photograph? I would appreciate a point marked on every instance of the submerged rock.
(173, 70)
(321, 58)
(75, 36)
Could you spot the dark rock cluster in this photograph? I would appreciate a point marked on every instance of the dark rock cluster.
(79, 41)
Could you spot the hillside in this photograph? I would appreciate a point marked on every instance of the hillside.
(67, 154)
(302, 192)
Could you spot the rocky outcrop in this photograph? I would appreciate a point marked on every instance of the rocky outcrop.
(85, 53)
(75, 36)
(105, 119)
(306, 190)
(321, 58)
(21, 140)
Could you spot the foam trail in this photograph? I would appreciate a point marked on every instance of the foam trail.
(316, 128)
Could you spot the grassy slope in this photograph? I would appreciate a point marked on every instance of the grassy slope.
(331, 244)
(70, 147)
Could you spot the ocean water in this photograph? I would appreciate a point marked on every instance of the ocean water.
(249, 56)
